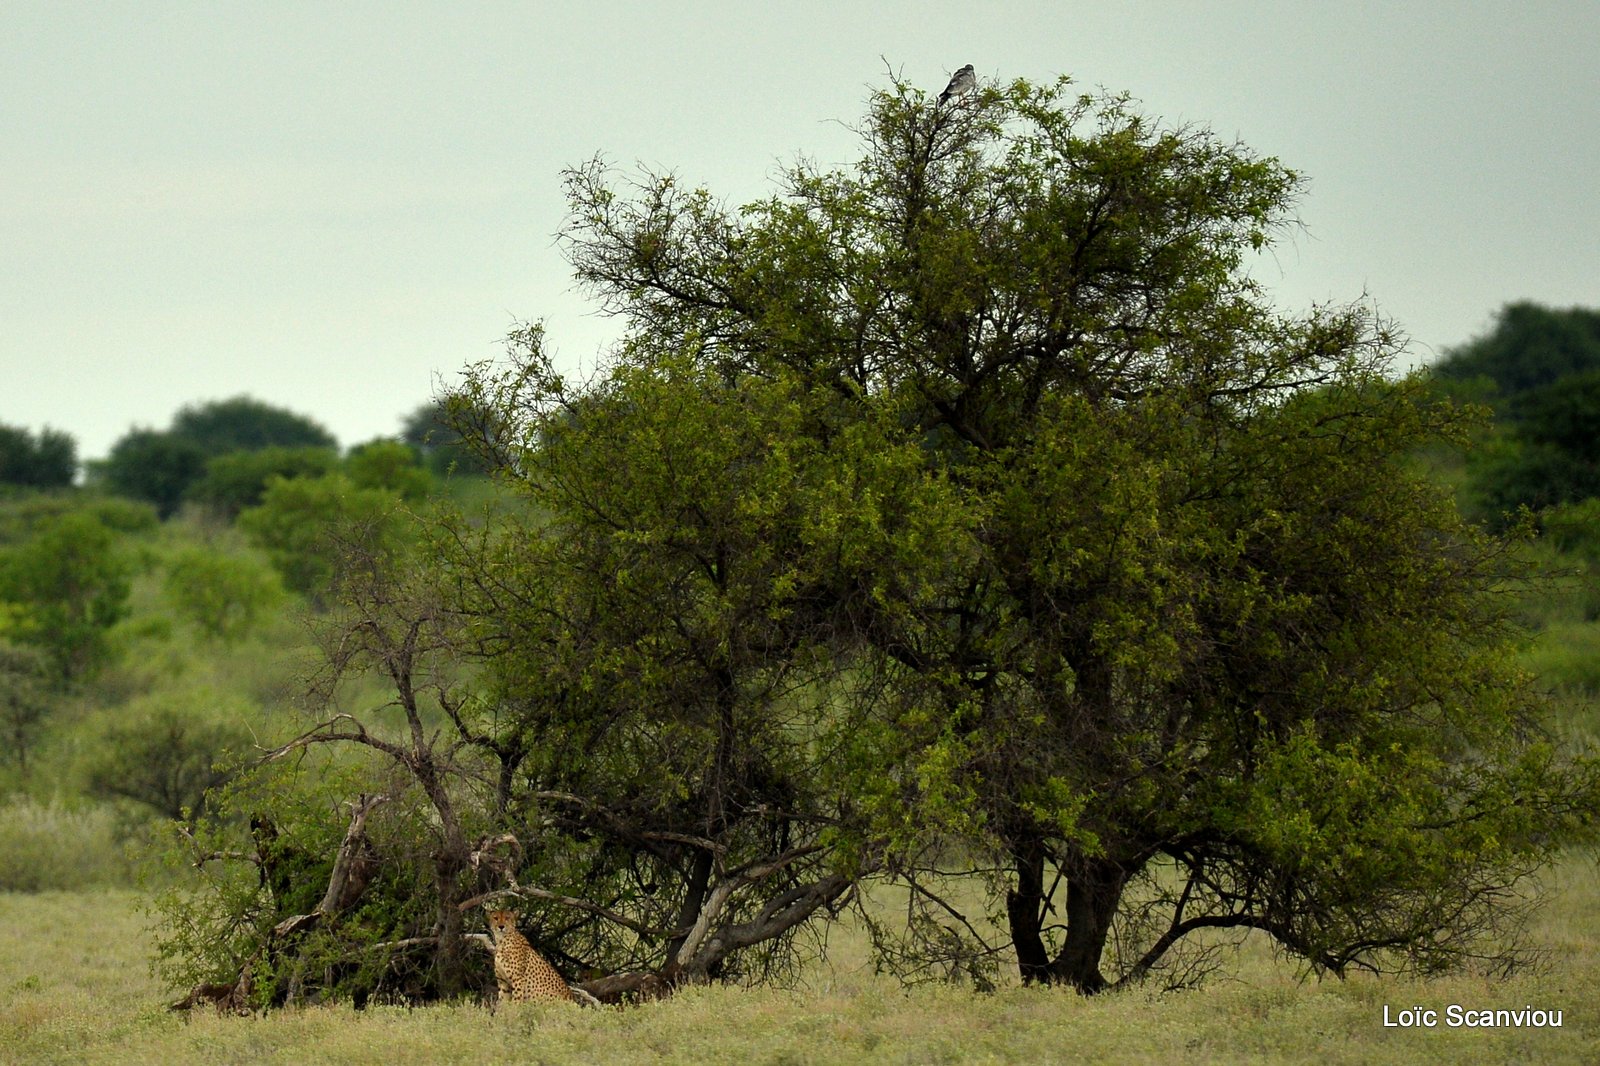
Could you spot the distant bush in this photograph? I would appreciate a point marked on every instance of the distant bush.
(1575, 528)
(24, 701)
(167, 758)
(49, 846)
(432, 430)
(1529, 347)
(151, 466)
(388, 464)
(66, 587)
(238, 480)
(222, 595)
(46, 460)
(1539, 368)
(245, 424)
(22, 516)
(307, 527)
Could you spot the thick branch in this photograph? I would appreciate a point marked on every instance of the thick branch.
(565, 901)
(314, 735)
(779, 916)
(718, 899)
(336, 898)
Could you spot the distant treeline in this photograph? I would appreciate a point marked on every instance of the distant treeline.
(197, 457)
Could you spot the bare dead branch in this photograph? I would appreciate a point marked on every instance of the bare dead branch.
(338, 896)
(314, 735)
(565, 901)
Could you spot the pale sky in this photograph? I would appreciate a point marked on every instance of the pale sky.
(333, 207)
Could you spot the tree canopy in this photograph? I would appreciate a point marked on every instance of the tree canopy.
(244, 424)
(430, 429)
(1540, 369)
(211, 451)
(46, 460)
(1166, 625)
(1529, 347)
(62, 589)
(153, 466)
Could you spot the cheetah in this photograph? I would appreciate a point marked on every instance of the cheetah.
(521, 971)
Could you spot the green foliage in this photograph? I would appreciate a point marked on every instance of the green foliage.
(165, 467)
(222, 595)
(1575, 529)
(431, 431)
(238, 480)
(309, 526)
(244, 424)
(153, 466)
(390, 465)
(169, 756)
(968, 516)
(62, 590)
(1541, 369)
(48, 460)
(657, 656)
(1144, 529)
(25, 699)
(1530, 347)
(291, 820)
(1549, 453)
(21, 517)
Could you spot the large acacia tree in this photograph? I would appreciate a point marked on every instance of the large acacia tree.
(965, 514)
(1165, 635)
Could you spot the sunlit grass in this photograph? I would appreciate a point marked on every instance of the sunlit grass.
(74, 987)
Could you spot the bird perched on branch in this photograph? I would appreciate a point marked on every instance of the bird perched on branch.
(961, 82)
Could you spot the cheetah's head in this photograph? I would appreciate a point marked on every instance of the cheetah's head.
(501, 921)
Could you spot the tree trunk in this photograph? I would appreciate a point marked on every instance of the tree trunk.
(1025, 911)
(1093, 892)
(450, 962)
(694, 898)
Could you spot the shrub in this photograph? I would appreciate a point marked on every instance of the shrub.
(24, 700)
(238, 480)
(48, 459)
(153, 466)
(307, 525)
(388, 464)
(23, 516)
(69, 584)
(221, 595)
(166, 758)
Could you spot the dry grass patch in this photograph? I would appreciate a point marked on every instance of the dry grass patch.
(74, 988)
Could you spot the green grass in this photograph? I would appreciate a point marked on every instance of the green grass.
(74, 987)
(50, 844)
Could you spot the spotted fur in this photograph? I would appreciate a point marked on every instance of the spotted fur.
(522, 972)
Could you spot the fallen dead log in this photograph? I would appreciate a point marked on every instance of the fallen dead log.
(231, 998)
(634, 987)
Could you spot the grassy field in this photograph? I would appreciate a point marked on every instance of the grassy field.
(74, 987)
